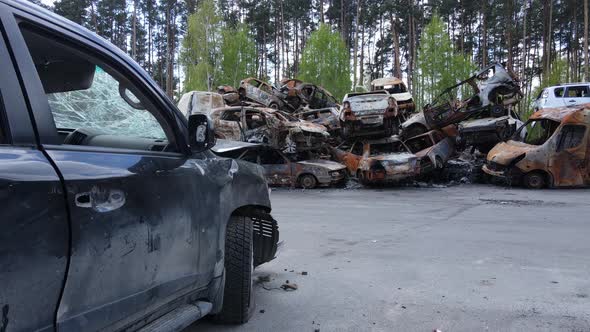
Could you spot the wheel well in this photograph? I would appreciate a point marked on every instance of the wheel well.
(265, 232)
(546, 175)
(304, 174)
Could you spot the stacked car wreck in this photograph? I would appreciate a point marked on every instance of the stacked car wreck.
(304, 137)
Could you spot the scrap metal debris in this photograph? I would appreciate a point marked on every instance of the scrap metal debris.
(306, 139)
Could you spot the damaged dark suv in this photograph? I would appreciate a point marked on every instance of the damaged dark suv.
(115, 213)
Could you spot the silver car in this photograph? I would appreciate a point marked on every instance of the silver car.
(563, 95)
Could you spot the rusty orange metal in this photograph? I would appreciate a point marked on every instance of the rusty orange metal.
(558, 156)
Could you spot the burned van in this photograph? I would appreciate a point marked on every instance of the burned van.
(552, 149)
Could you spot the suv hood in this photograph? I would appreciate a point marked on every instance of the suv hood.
(505, 152)
(328, 164)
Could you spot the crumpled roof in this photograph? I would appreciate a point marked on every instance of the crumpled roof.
(384, 81)
(559, 113)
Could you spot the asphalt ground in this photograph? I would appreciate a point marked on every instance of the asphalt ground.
(459, 258)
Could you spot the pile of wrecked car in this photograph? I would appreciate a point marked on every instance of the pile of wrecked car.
(302, 136)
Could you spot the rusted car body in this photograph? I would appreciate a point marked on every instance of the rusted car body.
(433, 149)
(554, 150)
(384, 160)
(298, 95)
(484, 131)
(279, 170)
(494, 89)
(261, 92)
(269, 126)
(203, 102)
(369, 113)
(327, 117)
(398, 90)
(230, 95)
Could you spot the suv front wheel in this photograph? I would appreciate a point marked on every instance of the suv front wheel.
(238, 298)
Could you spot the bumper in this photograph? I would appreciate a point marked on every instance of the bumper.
(499, 174)
(333, 180)
(391, 177)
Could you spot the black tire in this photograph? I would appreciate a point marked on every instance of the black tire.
(274, 105)
(238, 298)
(308, 181)
(534, 180)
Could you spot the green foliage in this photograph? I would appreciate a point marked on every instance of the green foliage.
(559, 74)
(438, 65)
(214, 55)
(239, 56)
(201, 54)
(326, 61)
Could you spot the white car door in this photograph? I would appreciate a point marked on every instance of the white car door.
(577, 94)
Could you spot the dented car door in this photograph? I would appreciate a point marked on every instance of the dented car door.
(137, 200)
(277, 168)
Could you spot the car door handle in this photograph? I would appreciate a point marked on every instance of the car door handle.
(101, 200)
(572, 101)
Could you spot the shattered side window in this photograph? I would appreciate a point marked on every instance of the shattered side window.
(570, 137)
(103, 108)
(537, 132)
(419, 143)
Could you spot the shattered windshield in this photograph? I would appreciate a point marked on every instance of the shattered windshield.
(386, 148)
(537, 132)
(103, 108)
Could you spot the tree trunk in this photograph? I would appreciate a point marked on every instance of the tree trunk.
(509, 21)
(134, 32)
(397, 71)
(586, 78)
(321, 11)
(356, 41)
(548, 40)
(283, 63)
(484, 39)
(170, 53)
(362, 60)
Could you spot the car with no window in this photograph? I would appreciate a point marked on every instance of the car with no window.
(280, 170)
(115, 213)
(386, 160)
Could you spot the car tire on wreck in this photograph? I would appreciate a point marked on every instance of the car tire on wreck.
(534, 180)
(238, 299)
(307, 181)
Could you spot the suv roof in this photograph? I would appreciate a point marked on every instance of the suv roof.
(566, 84)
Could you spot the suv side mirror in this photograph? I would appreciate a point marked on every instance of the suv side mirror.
(201, 135)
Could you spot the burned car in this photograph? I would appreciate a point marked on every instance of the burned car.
(261, 92)
(551, 150)
(279, 170)
(298, 95)
(494, 89)
(384, 160)
(369, 113)
(433, 149)
(230, 95)
(398, 90)
(200, 102)
(483, 131)
(266, 125)
(327, 117)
